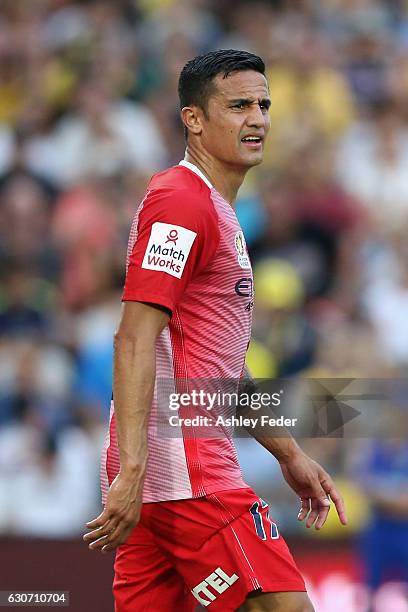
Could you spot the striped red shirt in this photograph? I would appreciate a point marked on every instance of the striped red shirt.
(187, 253)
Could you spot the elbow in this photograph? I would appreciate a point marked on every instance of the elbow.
(124, 339)
(132, 348)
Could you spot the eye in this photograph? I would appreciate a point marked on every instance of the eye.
(239, 105)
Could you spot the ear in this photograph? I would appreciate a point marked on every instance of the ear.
(192, 119)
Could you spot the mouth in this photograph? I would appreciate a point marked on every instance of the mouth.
(252, 141)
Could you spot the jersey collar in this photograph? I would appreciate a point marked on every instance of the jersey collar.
(197, 171)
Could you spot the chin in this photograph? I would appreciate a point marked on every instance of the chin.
(255, 160)
(246, 161)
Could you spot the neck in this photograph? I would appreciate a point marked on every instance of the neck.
(225, 179)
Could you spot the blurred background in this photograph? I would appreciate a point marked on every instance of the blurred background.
(88, 112)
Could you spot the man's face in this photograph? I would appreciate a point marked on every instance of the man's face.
(237, 120)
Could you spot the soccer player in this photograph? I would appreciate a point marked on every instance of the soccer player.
(186, 527)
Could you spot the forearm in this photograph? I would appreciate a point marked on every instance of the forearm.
(276, 439)
(283, 448)
(134, 373)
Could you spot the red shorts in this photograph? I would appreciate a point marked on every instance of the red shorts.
(212, 550)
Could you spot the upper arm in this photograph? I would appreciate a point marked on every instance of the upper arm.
(141, 320)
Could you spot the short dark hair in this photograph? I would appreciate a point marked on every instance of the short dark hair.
(195, 84)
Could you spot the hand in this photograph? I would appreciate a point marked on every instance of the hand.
(314, 487)
(121, 514)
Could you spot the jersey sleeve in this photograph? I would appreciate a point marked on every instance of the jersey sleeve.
(177, 236)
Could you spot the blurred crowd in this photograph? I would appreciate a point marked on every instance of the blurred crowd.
(88, 112)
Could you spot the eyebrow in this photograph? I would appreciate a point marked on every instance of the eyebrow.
(248, 101)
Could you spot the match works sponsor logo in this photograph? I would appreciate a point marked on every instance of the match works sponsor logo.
(241, 248)
(212, 586)
(168, 248)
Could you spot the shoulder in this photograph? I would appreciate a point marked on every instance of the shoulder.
(179, 191)
(181, 183)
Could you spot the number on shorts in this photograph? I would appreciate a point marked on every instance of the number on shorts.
(258, 521)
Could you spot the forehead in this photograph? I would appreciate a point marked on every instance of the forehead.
(242, 84)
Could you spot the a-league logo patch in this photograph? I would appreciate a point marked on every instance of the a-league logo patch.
(168, 248)
(241, 248)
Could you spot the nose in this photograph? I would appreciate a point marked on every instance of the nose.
(256, 118)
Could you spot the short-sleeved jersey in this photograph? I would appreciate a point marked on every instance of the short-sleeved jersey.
(187, 254)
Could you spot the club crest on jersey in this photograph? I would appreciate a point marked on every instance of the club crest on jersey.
(168, 248)
(240, 246)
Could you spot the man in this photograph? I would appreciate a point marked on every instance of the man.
(201, 533)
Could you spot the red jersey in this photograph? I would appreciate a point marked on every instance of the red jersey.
(187, 253)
